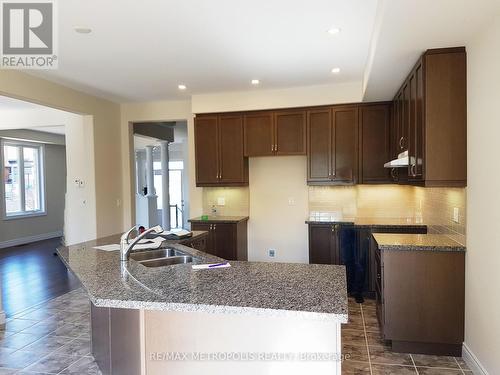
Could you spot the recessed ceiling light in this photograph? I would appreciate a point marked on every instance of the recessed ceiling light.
(83, 30)
(336, 70)
(255, 81)
(334, 30)
(181, 87)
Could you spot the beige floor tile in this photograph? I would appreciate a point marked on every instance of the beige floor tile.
(353, 337)
(435, 361)
(350, 367)
(384, 356)
(355, 352)
(438, 371)
(393, 370)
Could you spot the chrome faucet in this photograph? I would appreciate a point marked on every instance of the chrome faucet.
(126, 247)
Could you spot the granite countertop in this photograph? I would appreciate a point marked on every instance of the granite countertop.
(315, 292)
(373, 222)
(220, 219)
(417, 242)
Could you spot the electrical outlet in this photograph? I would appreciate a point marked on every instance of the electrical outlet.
(456, 215)
(272, 253)
(221, 201)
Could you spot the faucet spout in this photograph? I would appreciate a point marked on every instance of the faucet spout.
(126, 247)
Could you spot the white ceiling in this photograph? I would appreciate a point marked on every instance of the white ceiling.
(406, 28)
(141, 50)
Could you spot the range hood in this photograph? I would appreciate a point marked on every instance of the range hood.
(401, 162)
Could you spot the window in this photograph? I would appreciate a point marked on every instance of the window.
(23, 186)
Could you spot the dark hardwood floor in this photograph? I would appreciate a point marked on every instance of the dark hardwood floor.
(31, 274)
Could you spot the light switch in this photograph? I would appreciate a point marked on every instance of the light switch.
(291, 201)
(456, 215)
(221, 201)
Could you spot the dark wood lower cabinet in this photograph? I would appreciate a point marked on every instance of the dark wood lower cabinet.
(226, 240)
(198, 243)
(349, 245)
(324, 246)
(420, 300)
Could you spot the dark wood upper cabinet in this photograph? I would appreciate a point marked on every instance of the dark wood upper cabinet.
(233, 166)
(345, 144)
(275, 133)
(290, 133)
(319, 147)
(206, 150)
(332, 147)
(219, 151)
(259, 134)
(374, 143)
(432, 125)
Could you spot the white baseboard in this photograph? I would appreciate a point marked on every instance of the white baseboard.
(470, 358)
(30, 239)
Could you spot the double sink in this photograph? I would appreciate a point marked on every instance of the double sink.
(162, 257)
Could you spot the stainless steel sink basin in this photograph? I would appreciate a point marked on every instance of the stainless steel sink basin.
(170, 261)
(155, 254)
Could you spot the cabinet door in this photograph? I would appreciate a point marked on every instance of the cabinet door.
(396, 126)
(319, 148)
(345, 144)
(374, 143)
(405, 123)
(324, 244)
(259, 134)
(320, 244)
(233, 167)
(209, 246)
(418, 171)
(290, 132)
(225, 241)
(206, 150)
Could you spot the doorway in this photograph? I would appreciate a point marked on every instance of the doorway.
(160, 150)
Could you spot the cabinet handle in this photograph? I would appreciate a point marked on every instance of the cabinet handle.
(401, 140)
(272, 148)
(413, 170)
(276, 147)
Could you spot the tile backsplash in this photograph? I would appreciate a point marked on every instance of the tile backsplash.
(237, 200)
(433, 206)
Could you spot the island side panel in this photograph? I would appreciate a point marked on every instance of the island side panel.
(101, 338)
(117, 337)
(197, 332)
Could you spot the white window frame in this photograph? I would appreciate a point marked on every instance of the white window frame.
(41, 167)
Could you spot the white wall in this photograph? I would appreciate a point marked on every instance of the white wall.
(274, 221)
(80, 214)
(105, 116)
(79, 203)
(260, 98)
(482, 321)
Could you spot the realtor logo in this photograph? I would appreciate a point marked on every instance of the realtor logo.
(28, 34)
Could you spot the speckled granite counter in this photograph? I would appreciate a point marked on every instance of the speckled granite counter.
(417, 242)
(315, 292)
(220, 219)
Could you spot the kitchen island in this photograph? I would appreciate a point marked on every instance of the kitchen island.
(250, 318)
